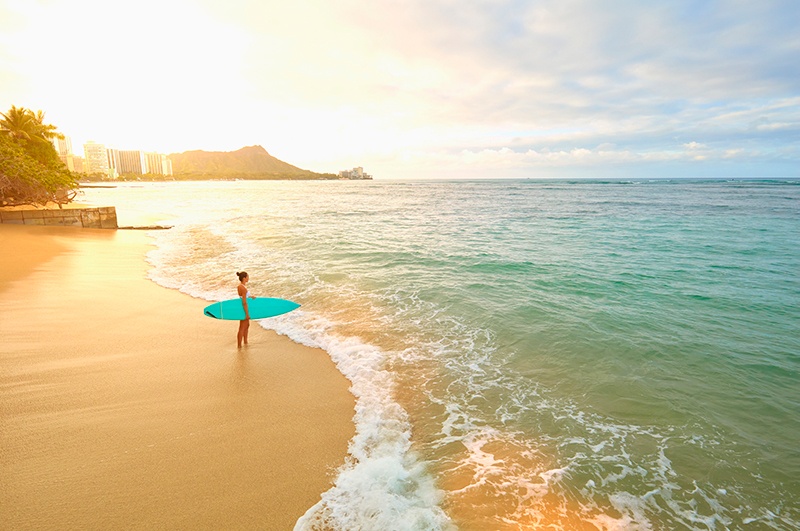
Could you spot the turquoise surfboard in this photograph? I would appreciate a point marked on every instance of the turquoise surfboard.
(260, 308)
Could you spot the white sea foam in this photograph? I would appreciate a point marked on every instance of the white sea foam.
(383, 484)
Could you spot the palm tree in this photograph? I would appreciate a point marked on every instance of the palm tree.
(19, 122)
(30, 169)
(45, 131)
(24, 124)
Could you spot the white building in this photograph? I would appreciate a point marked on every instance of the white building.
(355, 173)
(132, 162)
(113, 162)
(95, 158)
(158, 164)
(64, 149)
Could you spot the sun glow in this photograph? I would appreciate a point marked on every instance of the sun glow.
(129, 83)
(416, 88)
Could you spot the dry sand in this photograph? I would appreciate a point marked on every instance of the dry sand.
(122, 406)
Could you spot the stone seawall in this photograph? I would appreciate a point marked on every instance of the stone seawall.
(90, 218)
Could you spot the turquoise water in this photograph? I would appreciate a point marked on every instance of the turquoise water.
(579, 355)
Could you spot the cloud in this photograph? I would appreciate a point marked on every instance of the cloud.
(694, 146)
(436, 83)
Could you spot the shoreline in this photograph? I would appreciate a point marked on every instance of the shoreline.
(124, 406)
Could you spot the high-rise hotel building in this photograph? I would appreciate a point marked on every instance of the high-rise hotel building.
(113, 162)
(64, 149)
(116, 162)
(158, 164)
(132, 162)
(96, 158)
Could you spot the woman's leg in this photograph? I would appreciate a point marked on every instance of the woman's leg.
(241, 334)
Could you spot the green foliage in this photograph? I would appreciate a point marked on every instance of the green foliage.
(30, 171)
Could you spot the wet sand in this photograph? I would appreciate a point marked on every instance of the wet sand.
(122, 406)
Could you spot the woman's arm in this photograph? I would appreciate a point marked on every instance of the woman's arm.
(243, 295)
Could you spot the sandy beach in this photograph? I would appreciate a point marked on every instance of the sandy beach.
(124, 407)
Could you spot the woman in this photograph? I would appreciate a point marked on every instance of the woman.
(244, 324)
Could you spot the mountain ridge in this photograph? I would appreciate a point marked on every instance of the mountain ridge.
(250, 162)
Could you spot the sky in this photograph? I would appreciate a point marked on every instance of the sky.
(423, 88)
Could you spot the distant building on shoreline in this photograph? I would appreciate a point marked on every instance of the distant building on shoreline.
(113, 162)
(96, 159)
(127, 162)
(158, 164)
(64, 149)
(131, 162)
(355, 174)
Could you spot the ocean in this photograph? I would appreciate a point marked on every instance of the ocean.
(525, 354)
